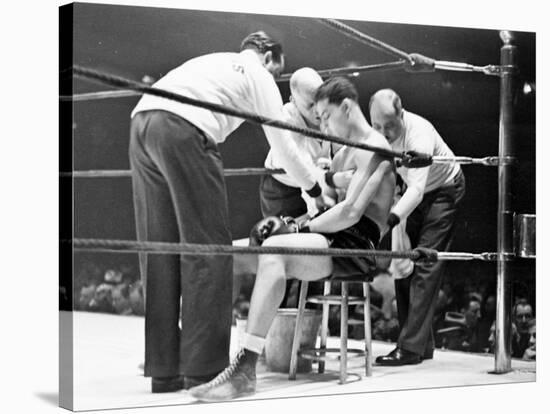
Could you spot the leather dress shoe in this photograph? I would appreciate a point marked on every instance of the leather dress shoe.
(399, 356)
(166, 384)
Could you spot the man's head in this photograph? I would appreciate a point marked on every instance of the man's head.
(522, 314)
(386, 114)
(303, 85)
(269, 51)
(532, 333)
(472, 312)
(490, 306)
(335, 101)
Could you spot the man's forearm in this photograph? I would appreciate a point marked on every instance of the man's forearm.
(407, 203)
(285, 149)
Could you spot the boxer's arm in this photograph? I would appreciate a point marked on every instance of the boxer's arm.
(363, 187)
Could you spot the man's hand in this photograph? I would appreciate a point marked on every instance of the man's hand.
(324, 202)
(342, 179)
(323, 163)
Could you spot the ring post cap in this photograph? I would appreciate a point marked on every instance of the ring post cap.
(425, 255)
(507, 36)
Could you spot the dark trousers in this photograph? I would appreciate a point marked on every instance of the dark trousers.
(430, 225)
(278, 199)
(179, 196)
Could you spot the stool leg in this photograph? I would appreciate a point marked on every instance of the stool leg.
(344, 334)
(298, 331)
(324, 326)
(368, 333)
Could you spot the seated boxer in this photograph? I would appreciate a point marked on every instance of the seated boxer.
(356, 221)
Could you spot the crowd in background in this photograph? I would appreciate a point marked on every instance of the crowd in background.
(117, 291)
(464, 319)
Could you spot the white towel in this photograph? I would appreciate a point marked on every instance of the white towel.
(400, 268)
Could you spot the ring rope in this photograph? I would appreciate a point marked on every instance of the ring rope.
(129, 246)
(92, 96)
(408, 159)
(491, 161)
(326, 73)
(228, 172)
(240, 172)
(414, 62)
(363, 38)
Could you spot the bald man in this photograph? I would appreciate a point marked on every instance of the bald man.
(280, 194)
(356, 221)
(429, 206)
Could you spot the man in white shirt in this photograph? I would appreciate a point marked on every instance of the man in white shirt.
(180, 196)
(429, 204)
(280, 194)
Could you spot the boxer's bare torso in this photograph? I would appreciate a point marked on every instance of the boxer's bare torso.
(365, 162)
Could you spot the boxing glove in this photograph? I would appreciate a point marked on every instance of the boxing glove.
(271, 226)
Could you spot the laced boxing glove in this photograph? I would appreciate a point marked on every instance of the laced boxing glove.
(271, 226)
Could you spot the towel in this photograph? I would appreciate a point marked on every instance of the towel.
(400, 268)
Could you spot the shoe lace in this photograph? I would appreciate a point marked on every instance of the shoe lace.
(227, 372)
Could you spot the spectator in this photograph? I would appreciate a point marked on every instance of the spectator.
(472, 313)
(461, 335)
(102, 300)
(523, 337)
(492, 337)
(488, 314)
(120, 297)
(531, 351)
(522, 314)
(137, 301)
(87, 293)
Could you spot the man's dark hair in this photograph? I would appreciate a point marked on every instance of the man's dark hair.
(336, 89)
(262, 43)
(469, 298)
(520, 302)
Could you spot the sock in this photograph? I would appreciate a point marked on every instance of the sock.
(253, 343)
(250, 357)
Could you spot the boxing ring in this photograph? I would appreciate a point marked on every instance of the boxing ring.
(115, 380)
(515, 235)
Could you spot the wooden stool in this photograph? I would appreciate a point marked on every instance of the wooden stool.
(344, 300)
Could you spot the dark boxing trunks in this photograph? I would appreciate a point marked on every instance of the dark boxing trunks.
(365, 234)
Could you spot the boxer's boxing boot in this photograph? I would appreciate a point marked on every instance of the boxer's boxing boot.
(235, 381)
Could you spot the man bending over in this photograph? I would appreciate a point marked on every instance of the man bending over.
(356, 221)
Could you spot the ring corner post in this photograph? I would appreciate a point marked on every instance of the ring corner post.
(508, 61)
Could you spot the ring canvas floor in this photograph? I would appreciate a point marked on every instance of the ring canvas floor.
(108, 351)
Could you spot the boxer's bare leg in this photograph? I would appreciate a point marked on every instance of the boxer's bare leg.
(273, 270)
(239, 378)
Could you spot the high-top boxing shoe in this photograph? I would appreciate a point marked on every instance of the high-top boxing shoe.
(235, 381)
